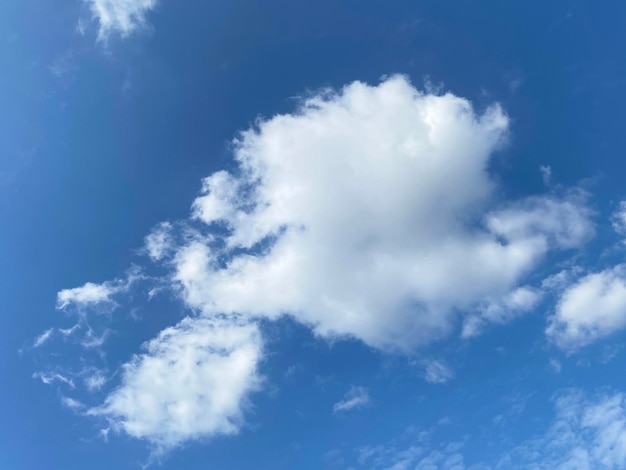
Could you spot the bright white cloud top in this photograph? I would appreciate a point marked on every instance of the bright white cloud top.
(191, 382)
(591, 308)
(120, 16)
(368, 213)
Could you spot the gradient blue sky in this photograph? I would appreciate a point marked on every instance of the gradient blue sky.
(451, 193)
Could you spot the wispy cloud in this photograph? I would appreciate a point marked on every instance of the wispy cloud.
(72, 404)
(91, 295)
(585, 433)
(50, 377)
(356, 397)
(159, 241)
(618, 219)
(502, 310)
(555, 365)
(546, 174)
(120, 16)
(43, 337)
(94, 379)
(64, 65)
(437, 371)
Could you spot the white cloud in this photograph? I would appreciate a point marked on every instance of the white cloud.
(419, 455)
(92, 295)
(546, 174)
(72, 404)
(94, 379)
(586, 434)
(92, 340)
(87, 295)
(563, 221)
(370, 213)
(446, 459)
(69, 331)
(437, 371)
(191, 383)
(555, 365)
(356, 397)
(43, 337)
(120, 16)
(50, 377)
(521, 300)
(591, 308)
(618, 219)
(560, 281)
(158, 242)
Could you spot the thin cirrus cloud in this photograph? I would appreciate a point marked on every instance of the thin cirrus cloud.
(437, 372)
(368, 213)
(356, 397)
(43, 337)
(585, 433)
(120, 16)
(619, 219)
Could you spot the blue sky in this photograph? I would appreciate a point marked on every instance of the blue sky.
(312, 235)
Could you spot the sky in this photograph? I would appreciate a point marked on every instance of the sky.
(313, 235)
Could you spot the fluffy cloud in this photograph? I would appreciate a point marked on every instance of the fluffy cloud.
(120, 16)
(190, 383)
(591, 308)
(356, 397)
(370, 213)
